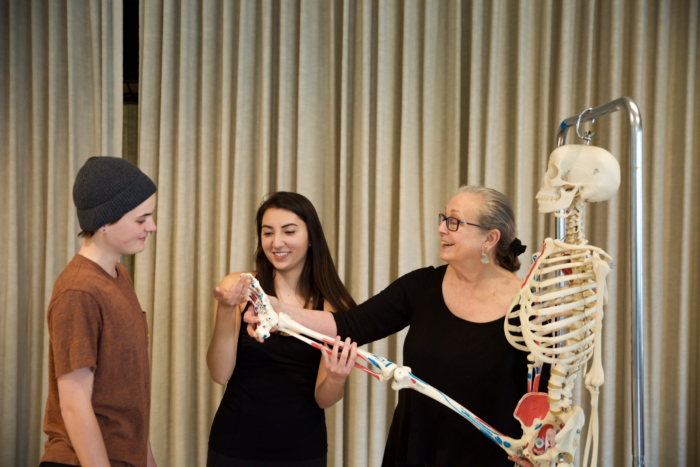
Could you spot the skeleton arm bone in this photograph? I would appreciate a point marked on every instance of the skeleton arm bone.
(595, 377)
(402, 375)
(269, 319)
(403, 378)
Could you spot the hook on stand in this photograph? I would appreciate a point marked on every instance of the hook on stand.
(587, 135)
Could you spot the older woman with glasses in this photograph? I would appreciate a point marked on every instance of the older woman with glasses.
(455, 342)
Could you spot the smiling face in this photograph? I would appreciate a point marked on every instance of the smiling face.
(128, 235)
(285, 240)
(465, 244)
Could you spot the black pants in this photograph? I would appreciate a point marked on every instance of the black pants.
(214, 459)
(55, 464)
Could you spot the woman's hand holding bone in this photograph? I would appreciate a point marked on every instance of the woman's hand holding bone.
(234, 296)
(338, 367)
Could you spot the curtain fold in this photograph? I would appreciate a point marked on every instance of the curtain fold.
(60, 103)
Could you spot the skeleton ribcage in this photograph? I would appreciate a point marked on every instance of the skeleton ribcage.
(558, 308)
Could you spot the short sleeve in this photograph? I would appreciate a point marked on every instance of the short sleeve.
(74, 328)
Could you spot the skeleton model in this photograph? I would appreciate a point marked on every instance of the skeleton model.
(561, 308)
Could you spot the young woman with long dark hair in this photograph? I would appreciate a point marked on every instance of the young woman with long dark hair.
(278, 386)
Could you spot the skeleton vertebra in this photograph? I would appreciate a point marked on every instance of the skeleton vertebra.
(561, 304)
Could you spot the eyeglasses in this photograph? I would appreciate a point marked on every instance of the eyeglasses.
(453, 223)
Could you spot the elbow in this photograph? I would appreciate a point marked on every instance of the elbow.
(219, 377)
(323, 405)
(220, 381)
(69, 411)
(219, 370)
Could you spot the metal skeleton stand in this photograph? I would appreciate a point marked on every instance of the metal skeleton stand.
(636, 221)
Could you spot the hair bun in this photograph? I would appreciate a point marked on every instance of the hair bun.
(517, 247)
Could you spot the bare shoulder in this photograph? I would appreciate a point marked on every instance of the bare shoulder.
(232, 279)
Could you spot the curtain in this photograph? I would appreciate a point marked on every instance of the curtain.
(60, 103)
(377, 112)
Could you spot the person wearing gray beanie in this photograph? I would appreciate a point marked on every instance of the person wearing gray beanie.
(98, 404)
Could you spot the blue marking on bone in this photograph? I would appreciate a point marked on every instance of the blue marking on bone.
(538, 426)
(481, 426)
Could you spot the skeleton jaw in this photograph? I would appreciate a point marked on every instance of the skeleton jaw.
(555, 198)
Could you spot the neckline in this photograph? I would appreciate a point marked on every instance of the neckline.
(94, 265)
(462, 320)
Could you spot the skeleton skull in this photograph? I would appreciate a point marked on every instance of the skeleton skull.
(591, 171)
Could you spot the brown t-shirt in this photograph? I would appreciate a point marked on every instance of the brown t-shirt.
(96, 321)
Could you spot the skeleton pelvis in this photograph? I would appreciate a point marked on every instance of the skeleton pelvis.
(548, 437)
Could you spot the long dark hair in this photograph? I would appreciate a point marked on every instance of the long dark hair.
(319, 277)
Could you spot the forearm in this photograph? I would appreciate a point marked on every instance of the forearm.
(328, 393)
(221, 355)
(84, 433)
(322, 322)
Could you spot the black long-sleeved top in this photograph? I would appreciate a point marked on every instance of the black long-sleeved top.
(472, 363)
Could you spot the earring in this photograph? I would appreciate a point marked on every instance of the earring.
(484, 257)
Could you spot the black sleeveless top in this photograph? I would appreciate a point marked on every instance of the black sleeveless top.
(269, 411)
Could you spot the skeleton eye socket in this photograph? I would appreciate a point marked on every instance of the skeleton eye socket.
(552, 171)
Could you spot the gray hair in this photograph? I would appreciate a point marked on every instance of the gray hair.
(496, 212)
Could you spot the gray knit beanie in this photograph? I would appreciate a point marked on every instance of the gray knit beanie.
(106, 188)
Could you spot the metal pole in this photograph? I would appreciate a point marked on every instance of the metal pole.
(637, 254)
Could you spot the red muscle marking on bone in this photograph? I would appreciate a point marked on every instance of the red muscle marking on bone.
(534, 265)
(531, 406)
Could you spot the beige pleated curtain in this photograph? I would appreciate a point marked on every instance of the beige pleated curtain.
(377, 111)
(60, 103)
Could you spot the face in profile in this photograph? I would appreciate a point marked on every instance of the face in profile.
(128, 235)
(466, 242)
(285, 239)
